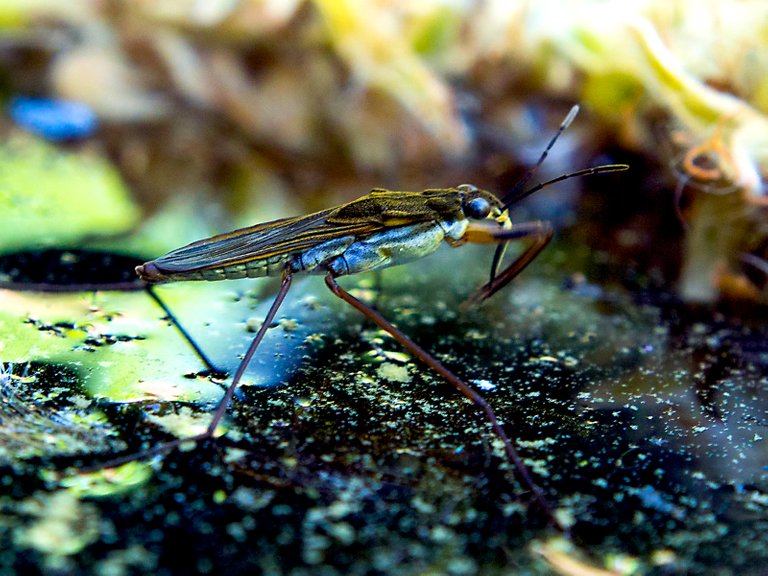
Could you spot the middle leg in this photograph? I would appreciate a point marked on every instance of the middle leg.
(457, 383)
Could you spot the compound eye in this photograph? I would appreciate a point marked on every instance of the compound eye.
(467, 188)
(478, 208)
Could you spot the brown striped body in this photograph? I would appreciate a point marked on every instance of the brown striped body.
(381, 229)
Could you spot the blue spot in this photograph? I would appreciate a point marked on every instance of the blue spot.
(53, 119)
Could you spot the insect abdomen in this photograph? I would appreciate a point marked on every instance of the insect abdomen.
(258, 268)
(154, 272)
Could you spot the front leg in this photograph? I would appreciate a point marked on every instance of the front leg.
(538, 233)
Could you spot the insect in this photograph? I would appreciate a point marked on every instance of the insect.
(383, 228)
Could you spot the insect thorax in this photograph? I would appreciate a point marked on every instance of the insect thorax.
(391, 247)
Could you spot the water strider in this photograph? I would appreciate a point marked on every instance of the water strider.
(384, 228)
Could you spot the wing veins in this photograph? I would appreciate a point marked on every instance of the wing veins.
(280, 237)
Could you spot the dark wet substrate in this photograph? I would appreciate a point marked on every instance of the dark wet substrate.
(643, 424)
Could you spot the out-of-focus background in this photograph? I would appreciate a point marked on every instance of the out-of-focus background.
(261, 109)
(129, 128)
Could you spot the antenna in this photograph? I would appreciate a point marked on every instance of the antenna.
(512, 196)
(602, 169)
(519, 192)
